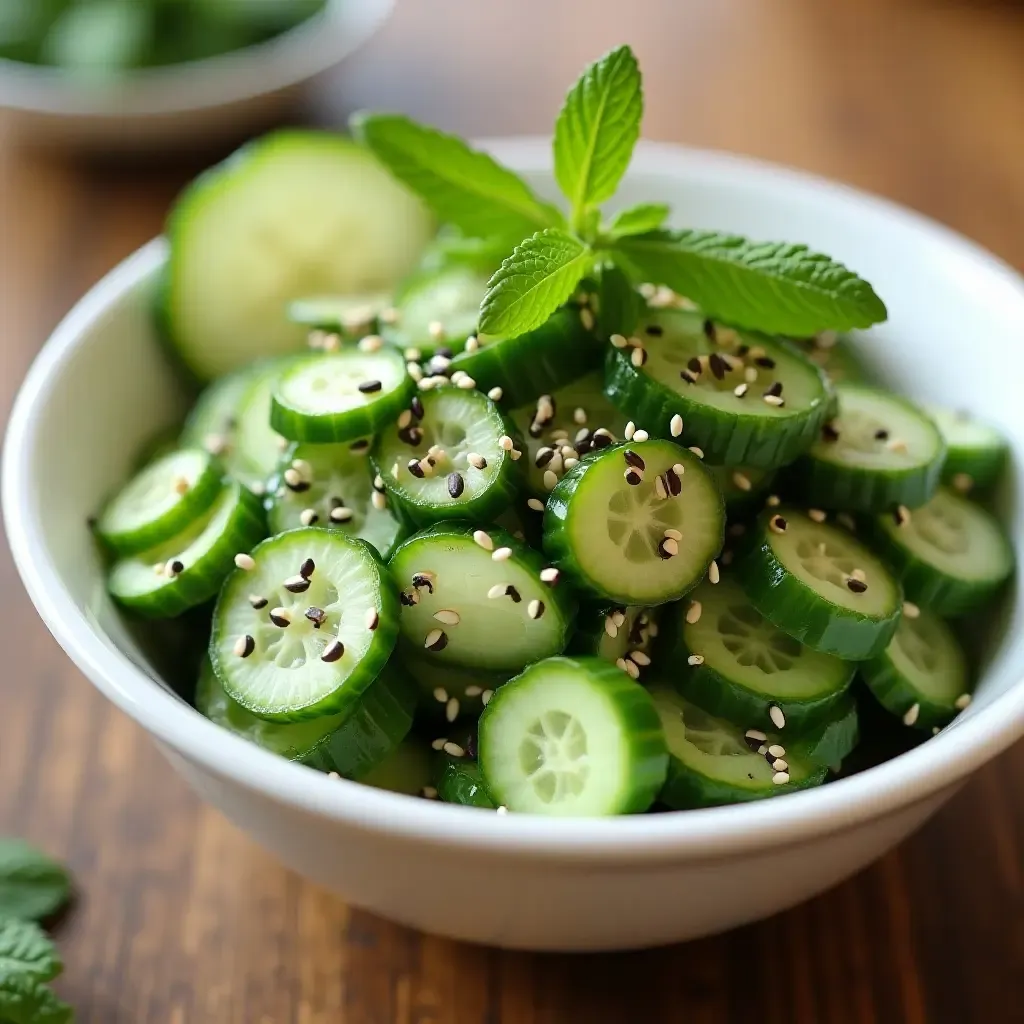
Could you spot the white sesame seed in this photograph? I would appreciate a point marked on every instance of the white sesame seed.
(632, 670)
(495, 394)
(629, 431)
(472, 343)
(483, 538)
(780, 778)
(637, 356)
(535, 609)
(675, 425)
(465, 383)
(436, 330)
(695, 659)
(451, 710)
(817, 514)
(620, 663)
(780, 764)
(911, 716)
(308, 516)
(498, 590)
(342, 514)
(569, 463)
(549, 575)
(740, 390)
(485, 697)
(439, 743)
(440, 695)
(773, 501)
(670, 547)
(501, 554)
(473, 691)
(775, 713)
(693, 612)
(911, 610)
(640, 657)
(858, 574)
(776, 750)
(159, 568)
(742, 481)
(610, 627)
(371, 343)
(962, 701)
(697, 451)
(506, 442)
(755, 734)
(587, 319)
(414, 371)
(673, 534)
(448, 616)
(679, 469)
(640, 435)
(618, 341)
(763, 749)
(433, 637)
(550, 479)
(714, 575)
(536, 504)
(750, 375)
(454, 749)
(413, 355)
(936, 730)
(501, 809)
(379, 501)
(245, 562)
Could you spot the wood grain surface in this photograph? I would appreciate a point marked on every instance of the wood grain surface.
(181, 919)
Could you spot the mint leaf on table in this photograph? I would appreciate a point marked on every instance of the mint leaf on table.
(768, 286)
(26, 950)
(32, 886)
(462, 185)
(597, 129)
(639, 219)
(533, 282)
(24, 1000)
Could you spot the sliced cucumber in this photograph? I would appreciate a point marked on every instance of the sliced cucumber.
(713, 762)
(341, 396)
(745, 400)
(463, 606)
(832, 740)
(292, 214)
(572, 737)
(636, 523)
(462, 782)
(347, 315)
(350, 744)
(213, 421)
(408, 769)
(951, 555)
(437, 310)
(304, 626)
(189, 568)
(732, 662)
(880, 451)
(536, 363)
(622, 635)
(447, 693)
(744, 488)
(820, 585)
(160, 501)
(838, 357)
(976, 453)
(922, 675)
(566, 425)
(330, 486)
(447, 458)
(256, 448)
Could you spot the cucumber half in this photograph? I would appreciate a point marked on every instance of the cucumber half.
(160, 501)
(743, 399)
(350, 744)
(976, 453)
(213, 422)
(341, 396)
(736, 665)
(304, 625)
(712, 762)
(636, 523)
(189, 568)
(951, 555)
(330, 486)
(820, 585)
(922, 675)
(622, 635)
(292, 214)
(479, 598)
(879, 451)
(572, 737)
(450, 456)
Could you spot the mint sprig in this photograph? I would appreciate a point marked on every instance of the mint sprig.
(23, 1000)
(637, 220)
(25, 949)
(32, 886)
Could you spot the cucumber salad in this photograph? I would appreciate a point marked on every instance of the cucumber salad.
(535, 509)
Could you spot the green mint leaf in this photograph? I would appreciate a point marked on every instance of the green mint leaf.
(31, 885)
(597, 129)
(25, 949)
(462, 185)
(533, 282)
(636, 220)
(619, 303)
(23, 1000)
(768, 286)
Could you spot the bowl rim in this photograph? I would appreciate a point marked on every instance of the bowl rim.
(287, 59)
(926, 771)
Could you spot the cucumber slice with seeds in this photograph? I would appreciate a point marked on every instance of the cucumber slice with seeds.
(462, 606)
(189, 568)
(448, 693)
(462, 782)
(636, 523)
(820, 585)
(747, 666)
(951, 554)
(253, 453)
(330, 486)
(160, 501)
(976, 453)
(341, 396)
(536, 363)
(623, 636)
(213, 420)
(922, 675)
(713, 762)
(350, 744)
(744, 399)
(879, 451)
(446, 460)
(347, 315)
(306, 628)
(572, 737)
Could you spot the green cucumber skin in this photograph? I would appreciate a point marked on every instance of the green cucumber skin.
(725, 439)
(535, 363)
(635, 711)
(590, 637)
(427, 676)
(831, 742)
(890, 689)
(822, 484)
(559, 550)
(202, 580)
(792, 606)
(462, 782)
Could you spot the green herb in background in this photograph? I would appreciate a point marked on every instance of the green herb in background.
(32, 886)
(775, 287)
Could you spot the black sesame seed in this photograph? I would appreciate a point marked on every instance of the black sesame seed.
(176, 567)
(445, 352)
(600, 439)
(709, 330)
(632, 459)
(718, 366)
(335, 502)
(299, 486)
(368, 387)
(742, 350)
(544, 456)
(440, 643)
(456, 485)
(662, 553)
(881, 435)
(316, 615)
(766, 361)
(857, 586)
(673, 484)
(775, 390)
(536, 429)
(633, 477)
(654, 329)
(307, 568)
(248, 646)
(689, 376)
(409, 598)
(333, 651)
(416, 469)
(510, 591)
(584, 444)
(420, 579)
(416, 407)
(693, 365)
(361, 445)
(829, 433)
(296, 584)
(280, 620)
(258, 602)
(753, 743)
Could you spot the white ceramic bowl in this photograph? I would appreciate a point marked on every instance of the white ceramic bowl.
(100, 386)
(187, 104)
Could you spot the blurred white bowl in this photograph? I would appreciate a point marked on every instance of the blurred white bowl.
(189, 104)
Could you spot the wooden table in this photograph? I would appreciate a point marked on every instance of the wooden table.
(181, 918)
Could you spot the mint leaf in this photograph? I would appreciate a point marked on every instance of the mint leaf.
(23, 1000)
(26, 950)
(619, 304)
(462, 185)
(597, 129)
(769, 286)
(31, 885)
(533, 282)
(636, 220)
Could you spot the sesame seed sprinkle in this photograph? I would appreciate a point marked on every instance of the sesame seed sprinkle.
(817, 515)
(536, 504)
(549, 575)
(453, 749)
(257, 601)
(436, 640)
(780, 778)
(501, 554)
(741, 481)
(675, 425)
(962, 702)
(695, 659)
(448, 616)
(245, 562)
(451, 709)
(714, 575)
(910, 718)
(244, 646)
(281, 617)
(777, 716)
(640, 435)
(372, 619)
(777, 524)
(535, 609)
